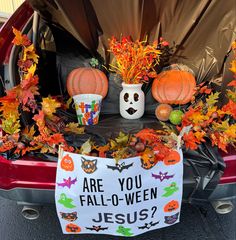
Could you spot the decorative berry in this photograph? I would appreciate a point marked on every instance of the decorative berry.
(140, 147)
(176, 117)
(163, 112)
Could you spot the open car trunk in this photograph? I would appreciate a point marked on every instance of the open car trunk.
(73, 32)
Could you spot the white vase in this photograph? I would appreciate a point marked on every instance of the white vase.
(132, 101)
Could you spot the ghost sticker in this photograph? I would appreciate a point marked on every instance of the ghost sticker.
(170, 190)
(65, 201)
(124, 231)
(171, 206)
(89, 166)
(171, 219)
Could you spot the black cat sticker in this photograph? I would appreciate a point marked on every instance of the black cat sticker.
(89, 166)
(71, 217)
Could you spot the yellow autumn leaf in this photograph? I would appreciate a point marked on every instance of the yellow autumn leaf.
(29, 53)
(233, 66)
(231, 131)
(74, 127)
(197, 117)
(49, 106)
(11, 125)
(200, 136)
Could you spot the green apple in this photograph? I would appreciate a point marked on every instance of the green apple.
(176, 117)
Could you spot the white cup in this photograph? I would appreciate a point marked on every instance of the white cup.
(88, 108)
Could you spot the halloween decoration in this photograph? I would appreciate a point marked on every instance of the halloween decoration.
(97, 228)
(172, 158)
(163, 111)
(67, 182)
(170, 190)
(134, 62)
(174, 87)
(89, 166)
(132, 101)
(87, 80)
(67, 163)
(171, 206)
(65, 201)
(124, 231)
(71, 217)
(149, 225)
(171, 219)
(162, 176)
(120, 167)
(73, 228)
(176, 117)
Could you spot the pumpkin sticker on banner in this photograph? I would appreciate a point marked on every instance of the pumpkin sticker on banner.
(87, 80)
(67, 163)
(174, 87)
(171, 206)
(172, 158)
(73, 228)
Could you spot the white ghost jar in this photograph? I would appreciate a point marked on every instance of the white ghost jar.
(132, 101)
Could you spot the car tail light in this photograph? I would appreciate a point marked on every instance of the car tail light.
(229, 175)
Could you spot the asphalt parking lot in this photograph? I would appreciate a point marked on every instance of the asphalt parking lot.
(196, 224)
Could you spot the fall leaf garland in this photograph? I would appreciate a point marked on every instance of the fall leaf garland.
(210, 120)
(40, 136)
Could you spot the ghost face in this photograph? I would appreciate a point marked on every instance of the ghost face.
(132, 103)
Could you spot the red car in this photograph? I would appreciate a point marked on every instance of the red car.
(31, 180)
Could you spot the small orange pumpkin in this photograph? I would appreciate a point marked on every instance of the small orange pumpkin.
(172, 158)
(171, 206)
(67, 163)
(174, 87)
(87, 80)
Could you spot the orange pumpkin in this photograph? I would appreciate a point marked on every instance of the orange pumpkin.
(171, 206)
(67, 163)
(174, 87)
(87, 80)
(172, 158)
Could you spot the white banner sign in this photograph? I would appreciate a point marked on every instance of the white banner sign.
(97, 196)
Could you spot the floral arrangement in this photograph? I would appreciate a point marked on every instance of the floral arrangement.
(134, 60)
(207, 117)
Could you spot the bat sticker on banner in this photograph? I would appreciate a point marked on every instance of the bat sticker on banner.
(120, 167)
(67, 182)
(96, 228)
(162, 176)
(148, 225)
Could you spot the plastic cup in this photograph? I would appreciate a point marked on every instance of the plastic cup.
(88, 108)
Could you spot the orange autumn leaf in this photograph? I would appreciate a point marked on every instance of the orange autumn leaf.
(230, 107)
(20, 39)
(190, 141)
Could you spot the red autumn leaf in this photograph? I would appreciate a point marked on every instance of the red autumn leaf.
(232, 84)
(205, 90)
